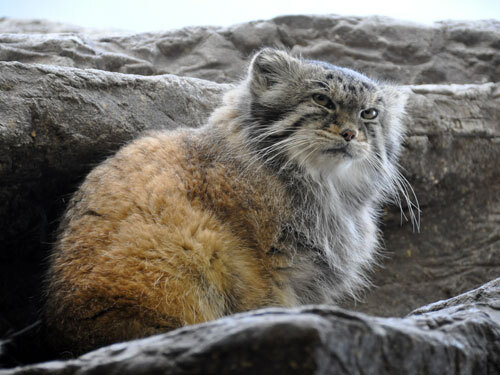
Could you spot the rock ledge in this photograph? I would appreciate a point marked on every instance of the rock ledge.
(457, 336)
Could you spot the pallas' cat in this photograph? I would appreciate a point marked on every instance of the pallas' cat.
(274, 202)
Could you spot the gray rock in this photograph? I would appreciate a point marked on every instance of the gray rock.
(446, 52)
(458, 336)
(45, 108)
(42, 26)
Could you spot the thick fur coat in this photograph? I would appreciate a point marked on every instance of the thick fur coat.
(274, 202)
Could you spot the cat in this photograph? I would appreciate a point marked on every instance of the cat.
(274, 202)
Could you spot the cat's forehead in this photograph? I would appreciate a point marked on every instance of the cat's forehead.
(343, 81)
(340, 74)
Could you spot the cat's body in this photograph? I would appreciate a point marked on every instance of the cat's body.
(273, 203)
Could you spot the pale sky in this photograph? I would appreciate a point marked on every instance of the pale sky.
(153, 15)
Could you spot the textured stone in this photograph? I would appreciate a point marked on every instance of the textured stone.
(458, 336)
(42, 26)
(446, 52)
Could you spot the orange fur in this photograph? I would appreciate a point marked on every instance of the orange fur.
(158, 237)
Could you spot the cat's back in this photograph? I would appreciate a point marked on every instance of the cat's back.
(168, 174)
(148, 233)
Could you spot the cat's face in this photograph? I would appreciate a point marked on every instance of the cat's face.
(320, 116)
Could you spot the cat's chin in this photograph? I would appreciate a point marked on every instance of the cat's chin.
(344, 153)
(343, 150)
(335, 161)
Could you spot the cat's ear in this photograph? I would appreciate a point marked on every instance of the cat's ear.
(268, 67)
(396, 98)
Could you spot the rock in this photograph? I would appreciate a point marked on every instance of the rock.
(40, 26)
(458, 336)
(446, 52)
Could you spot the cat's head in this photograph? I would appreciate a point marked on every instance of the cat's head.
(318, 116)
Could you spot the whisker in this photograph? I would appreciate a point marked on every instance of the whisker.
(415, 219)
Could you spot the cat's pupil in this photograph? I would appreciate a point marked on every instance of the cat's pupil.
(369, 114)
(323, 101)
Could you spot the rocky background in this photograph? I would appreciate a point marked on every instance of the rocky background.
(69, 97)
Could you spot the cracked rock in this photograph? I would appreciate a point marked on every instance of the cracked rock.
(457, 336)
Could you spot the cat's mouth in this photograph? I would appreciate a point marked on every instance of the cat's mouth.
(342, 150)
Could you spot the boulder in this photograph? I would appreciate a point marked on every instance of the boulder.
(404, 52)
(457, 336)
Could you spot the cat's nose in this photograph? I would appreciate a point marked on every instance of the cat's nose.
(349, 134)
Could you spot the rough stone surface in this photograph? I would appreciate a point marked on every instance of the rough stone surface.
(41, 26)
(458, 336)
(57, 122)
(447, 52)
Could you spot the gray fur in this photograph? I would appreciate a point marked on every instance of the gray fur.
(336, 195)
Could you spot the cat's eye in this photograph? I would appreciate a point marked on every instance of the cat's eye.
(369, 114)
(323, 100)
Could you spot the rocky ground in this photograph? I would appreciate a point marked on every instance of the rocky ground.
(456, 336)
(69, 97)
